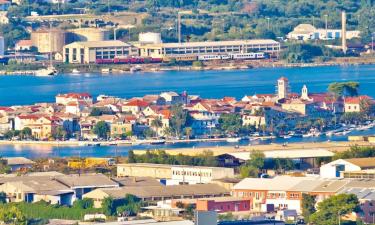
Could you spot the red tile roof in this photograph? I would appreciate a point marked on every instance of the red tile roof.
(357, 100)
(24, 43)
(137, 102)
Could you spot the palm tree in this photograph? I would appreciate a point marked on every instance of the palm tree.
(157, 123)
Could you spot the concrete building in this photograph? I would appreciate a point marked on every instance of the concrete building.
(19, 163)
(335, 168)
(4, 17)
(90, 51)
(175, 174)
(87, 34)
(158, 193)
(189, 49)
(48, 40)
(306, 32)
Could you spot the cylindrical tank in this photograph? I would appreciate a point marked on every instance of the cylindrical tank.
(87, 34)
(149, 38)
(2, 46)
(48, 40)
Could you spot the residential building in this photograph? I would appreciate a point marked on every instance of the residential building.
(90, 51)
(23, 45)
(337, 167)
(172, 98)
(42, 126)
(223, 204)
(64, 99)
(134, 106)
(121, 127)
(358, 104)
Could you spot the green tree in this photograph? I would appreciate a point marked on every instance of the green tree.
(59, 133)
(131, 157)
(12, 215)
(84, 203)
(96, 112)
(257, 159)
(108, 206)
(330, 210)
(308, 206)
(157, 124)
(230, 123)
(26, 132)
(249, 171)
(101, 129)
(3, 197)
(349, 88)
(179, 119)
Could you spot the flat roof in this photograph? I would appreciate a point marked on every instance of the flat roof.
(92, 44)
(11, 161)
(215, 43)
(362, 162)
(286, 154)
(280, 183)
(168, 166)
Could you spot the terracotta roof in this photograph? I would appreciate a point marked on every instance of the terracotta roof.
(137, 102)
(24, 43)
(283, 78)
(75, 95)
(357, 100)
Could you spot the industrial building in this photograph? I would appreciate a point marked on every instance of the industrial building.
(90, 51)
(175, 174)
(48, 40)
(157, 49)
(87, 34)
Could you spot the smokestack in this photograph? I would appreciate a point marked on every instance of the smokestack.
(343, 32)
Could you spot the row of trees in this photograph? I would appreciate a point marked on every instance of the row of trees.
(206, 158)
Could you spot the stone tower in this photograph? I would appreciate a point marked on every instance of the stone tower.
(282, 88)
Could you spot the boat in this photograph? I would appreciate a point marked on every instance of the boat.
(75, 71)
(287, 136)
(329, 133)
(47, 72)
(135, 69)
(106, 70)
(233, 139)
(157, 142)
(307, 135)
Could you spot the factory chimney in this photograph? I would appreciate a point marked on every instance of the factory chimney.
(343, 32)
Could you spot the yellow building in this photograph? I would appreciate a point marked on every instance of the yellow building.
(120, 127)
(158, 171)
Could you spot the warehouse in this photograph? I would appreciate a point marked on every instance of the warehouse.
(188, 49)
(90, 51)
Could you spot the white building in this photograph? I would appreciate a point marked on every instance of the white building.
(90, 51)
(306, 32)
(199, 174)
(334, 168)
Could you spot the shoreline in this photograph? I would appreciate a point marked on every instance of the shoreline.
(231, 65)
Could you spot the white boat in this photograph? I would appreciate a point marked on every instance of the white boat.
(157, 142)
(135, 68)
(329, 133)
(75, 71)
(106, 70)
(317, 134)
(307, 135)
(287, 136)
(232, 140)
(49, 71)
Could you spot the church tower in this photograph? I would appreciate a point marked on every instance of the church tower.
(304, 93)
(282, 88)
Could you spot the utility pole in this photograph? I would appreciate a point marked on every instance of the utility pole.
(179, 27)
(268, 23)
(326, 20)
